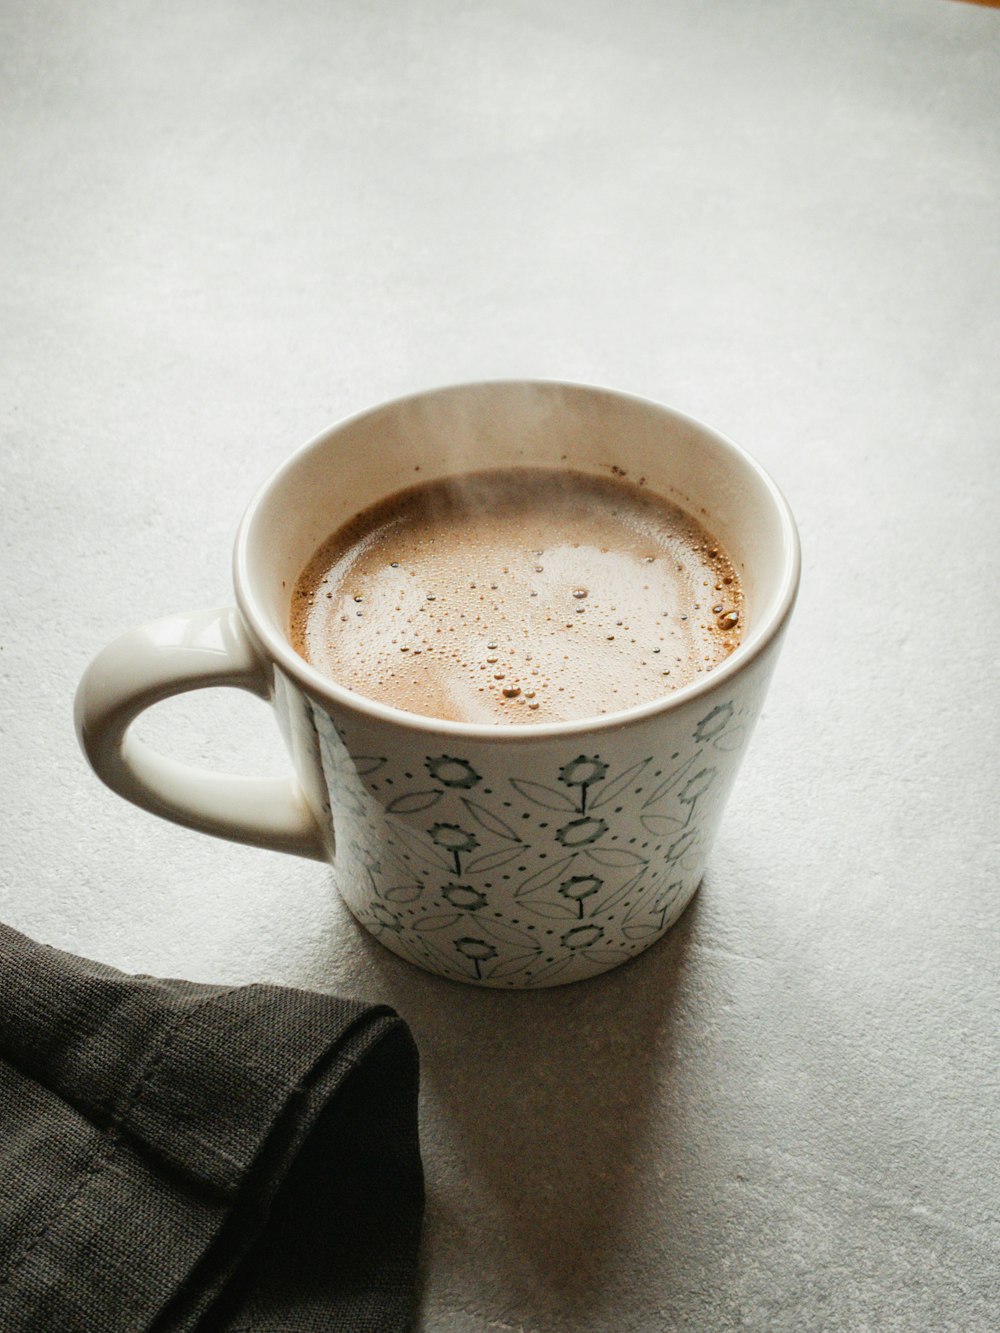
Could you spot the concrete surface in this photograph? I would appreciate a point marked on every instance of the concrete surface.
(224, 225)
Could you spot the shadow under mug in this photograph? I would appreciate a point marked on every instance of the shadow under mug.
(508, 856)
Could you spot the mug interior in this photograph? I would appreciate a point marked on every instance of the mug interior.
(474, 427)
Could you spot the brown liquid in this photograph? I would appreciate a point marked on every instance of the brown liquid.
(517, 596)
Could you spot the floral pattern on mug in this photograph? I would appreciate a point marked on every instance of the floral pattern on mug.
(525, 878)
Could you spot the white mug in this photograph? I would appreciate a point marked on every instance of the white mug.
(520, 856)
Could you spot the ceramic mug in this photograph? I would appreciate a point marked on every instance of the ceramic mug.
(510, 856)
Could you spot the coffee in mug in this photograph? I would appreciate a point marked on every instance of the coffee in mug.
(513, 596)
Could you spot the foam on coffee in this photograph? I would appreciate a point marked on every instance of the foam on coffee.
(522, 595)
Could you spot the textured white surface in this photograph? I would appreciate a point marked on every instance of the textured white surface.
(224, 225)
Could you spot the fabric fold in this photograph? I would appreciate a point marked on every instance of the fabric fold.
(177, 1156)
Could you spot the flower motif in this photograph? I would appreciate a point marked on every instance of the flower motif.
(473, 948)
(455, 840)
(581, 832)
(477, 951)
(583, 772)
(451, 772)
(464, 896)
(580, 887)
(666, 898)
(677, 849)
(582, 937)
(664, 895)
(696, 786)
(714, 723)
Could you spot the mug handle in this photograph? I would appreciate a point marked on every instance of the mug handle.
(172, 656)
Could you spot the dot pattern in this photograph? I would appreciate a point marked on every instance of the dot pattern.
(517, 874)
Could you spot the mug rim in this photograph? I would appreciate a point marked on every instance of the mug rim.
(326, 690)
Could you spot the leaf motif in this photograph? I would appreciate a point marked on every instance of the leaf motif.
(347, 798)
(615, 898)
(638, 910)
(551, 970)
(403, 893)
(731, 739)
(697, 786)
(620, 783)
(615, 856)
(426, 851)
(395, 862)
(445, 961)
(675, 909)
(513, 964)
(664, 826)
(412, 801)
(436, 921)
(323, 722)
(605, 955)
(650, 905)
(539, 794)
(677, 849)
(667, 907)
(545, 876)
(554, 909)
(640, 932)
(330, 753)
(504, 933)
(493, 860)
(670, 781)
(366, 764)
(489, 821)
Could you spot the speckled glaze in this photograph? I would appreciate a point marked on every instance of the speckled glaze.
(508, 856)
